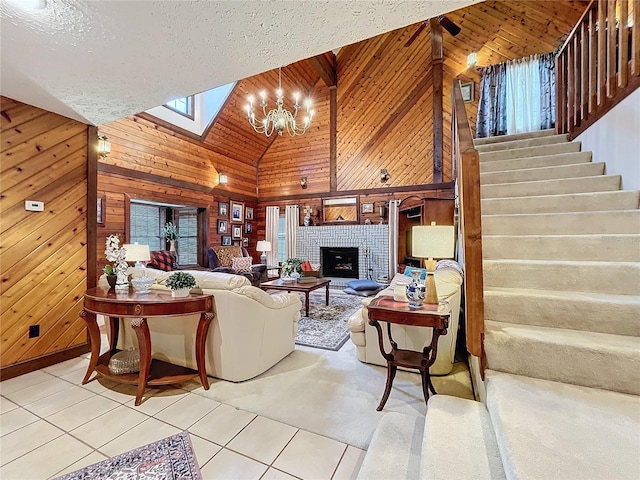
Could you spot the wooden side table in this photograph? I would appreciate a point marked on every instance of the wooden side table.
(138, 307)
(385, 309)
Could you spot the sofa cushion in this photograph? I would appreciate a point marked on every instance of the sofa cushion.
(162, 260)
(226, 254)
(362, 293)
(273, 301)
(241, 264)
(363, 284)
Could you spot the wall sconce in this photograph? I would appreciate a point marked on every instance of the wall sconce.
(384, 175)
(472, 59)
(222, 178)
(104, 146)
(303, 182)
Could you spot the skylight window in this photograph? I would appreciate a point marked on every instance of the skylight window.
(183, 106)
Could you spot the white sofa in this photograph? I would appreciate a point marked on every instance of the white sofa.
(365, 337)
(252, 330)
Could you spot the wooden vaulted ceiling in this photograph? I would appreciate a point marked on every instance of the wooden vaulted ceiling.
(384, 105)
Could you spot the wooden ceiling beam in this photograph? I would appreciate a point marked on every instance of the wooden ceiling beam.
(325, 68)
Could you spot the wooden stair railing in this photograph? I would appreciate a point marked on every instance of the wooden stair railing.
(466, 164)
(598, 65)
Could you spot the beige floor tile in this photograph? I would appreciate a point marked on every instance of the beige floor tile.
(187, 410)
(273, 474)
(298, 460)
(83, 412)
(23, 381)
(228, 465)
(6, 405)
(14, 419)
(204, 449)
(98, 385)
(31, 394)
(17, 444)
(64, 368)
(263, 439)
(47, 459)
(149, 431)
(106, 427)
(59, 401)
(159, 400)
(123, 393)
(222, 424)
(93, 457)
(350, 464)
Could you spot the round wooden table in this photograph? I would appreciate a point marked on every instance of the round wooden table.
(137, 308)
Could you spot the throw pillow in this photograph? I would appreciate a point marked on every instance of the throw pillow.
(241, 264)
(226, 254)
(363, 284)
(423, 274)
(361, 293)
(162, 260)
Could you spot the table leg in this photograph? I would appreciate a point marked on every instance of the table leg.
(94, 338)
(306, 302)
(391, 374)
(201, 342)
(327, 294)
(114, 328)
(141, 328)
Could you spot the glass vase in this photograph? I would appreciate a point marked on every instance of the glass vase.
(416, 290)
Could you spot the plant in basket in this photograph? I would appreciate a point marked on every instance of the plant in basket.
(180, 283)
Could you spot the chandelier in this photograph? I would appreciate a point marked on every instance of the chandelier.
(279, 119)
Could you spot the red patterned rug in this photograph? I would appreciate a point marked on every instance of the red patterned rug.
(169, 458)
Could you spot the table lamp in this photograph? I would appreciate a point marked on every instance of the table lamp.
(264, 246)
(137, 253)
(429, 242)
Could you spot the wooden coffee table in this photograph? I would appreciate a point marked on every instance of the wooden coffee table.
(306, 288)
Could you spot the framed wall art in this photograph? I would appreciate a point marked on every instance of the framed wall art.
(223, 226)
(467, 92)
(101, 210)
(237, 212)
(245, 242)
(367, 208)
(223, 209)
(226, 240)
(248, 227)
(236, 232)
(249, 214)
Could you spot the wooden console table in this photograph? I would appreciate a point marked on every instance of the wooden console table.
(138, 307)
(385, 309)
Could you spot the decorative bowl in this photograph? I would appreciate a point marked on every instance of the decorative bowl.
(142, 284)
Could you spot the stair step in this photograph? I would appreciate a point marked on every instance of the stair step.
(562, 247)
(616, 278)
(566, 147)
(532, 162)
(572, 223)
(455, 425)
(542, 173)
(555, 431)
(599, 183)
(522, 143)
(594, 312)
(590, 359)
(574, 202)
(515, 136)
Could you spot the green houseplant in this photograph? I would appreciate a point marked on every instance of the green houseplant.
(180, 283)
(290, 266)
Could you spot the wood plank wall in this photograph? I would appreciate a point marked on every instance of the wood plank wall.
(43, 254)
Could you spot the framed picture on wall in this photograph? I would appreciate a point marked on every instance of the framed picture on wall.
(102, 212)
(237, 212)
(226, 240)
(223, 226)
(367, 208)
(245, 242)
(223, 209)
(467, 92)
(236, 232)
(249, 215)
(248, 227)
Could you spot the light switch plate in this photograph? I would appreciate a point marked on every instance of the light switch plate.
(34, 206)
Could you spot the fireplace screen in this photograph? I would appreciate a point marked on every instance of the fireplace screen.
(340, 262)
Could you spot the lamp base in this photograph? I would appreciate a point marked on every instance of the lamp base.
(263, 258)
(431, 295)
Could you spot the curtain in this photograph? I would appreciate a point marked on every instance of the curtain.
(547, 90)
(394, 231)
(271, 234)
(292, 217)
(523, 95)
(492, 116)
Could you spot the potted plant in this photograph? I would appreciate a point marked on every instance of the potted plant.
(170, 234)
(291, 268)
(117, 271)
(180, 283)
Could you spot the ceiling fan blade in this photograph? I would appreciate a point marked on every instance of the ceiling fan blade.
(449, 26)
(415, 34)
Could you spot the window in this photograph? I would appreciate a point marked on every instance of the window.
(183, 106)
(187, 222)
(282, 239)
(146, 223)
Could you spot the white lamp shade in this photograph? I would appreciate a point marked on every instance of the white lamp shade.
(263, 246)
(137, 253)
(433, 241)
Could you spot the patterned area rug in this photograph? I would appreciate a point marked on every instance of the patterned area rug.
(169, 458)
(326, 326)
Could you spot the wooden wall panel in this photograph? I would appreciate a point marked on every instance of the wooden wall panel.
(43, 254)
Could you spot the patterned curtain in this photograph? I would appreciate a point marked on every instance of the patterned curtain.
(492, 114)
(292, 217)
(271, 234)
(548, 90)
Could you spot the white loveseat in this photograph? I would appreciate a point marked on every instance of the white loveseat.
(365, 337)
(252, 330)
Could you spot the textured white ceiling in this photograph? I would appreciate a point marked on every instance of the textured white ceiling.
(97, 61)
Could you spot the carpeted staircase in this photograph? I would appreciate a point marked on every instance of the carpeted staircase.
(561, 246)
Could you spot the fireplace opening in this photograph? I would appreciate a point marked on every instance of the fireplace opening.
(340, 262)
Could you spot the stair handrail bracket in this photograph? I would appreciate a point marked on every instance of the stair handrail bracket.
(466, 163)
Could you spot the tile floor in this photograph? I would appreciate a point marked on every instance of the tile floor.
(51, 425)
